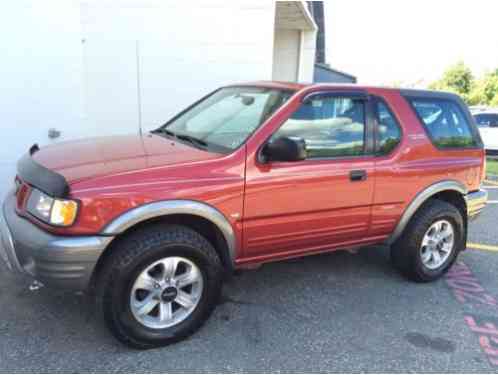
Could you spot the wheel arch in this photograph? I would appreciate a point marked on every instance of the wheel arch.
(207, 220)
(450, 191)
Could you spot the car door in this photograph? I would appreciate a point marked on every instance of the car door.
(323, 201)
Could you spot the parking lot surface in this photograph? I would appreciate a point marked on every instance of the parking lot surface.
(339, 312)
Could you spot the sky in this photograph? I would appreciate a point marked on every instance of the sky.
(410, 42)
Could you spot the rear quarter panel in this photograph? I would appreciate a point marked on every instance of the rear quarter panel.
(415, 165)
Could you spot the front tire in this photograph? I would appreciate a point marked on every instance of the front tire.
(430, 243)
(159, 285)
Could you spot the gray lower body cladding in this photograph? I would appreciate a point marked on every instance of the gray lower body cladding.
(63, 262)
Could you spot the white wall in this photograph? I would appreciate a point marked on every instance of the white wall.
(76, 65)
(286, 51)
(185, 49)
(294, 42)
(307, 56)
(100, 67)
(40, 75)
(294, 55)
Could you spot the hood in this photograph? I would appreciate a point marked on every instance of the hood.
(92, 157)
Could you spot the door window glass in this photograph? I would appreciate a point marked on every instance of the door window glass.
(330, 127)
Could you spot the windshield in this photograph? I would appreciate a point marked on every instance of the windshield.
(225, 119)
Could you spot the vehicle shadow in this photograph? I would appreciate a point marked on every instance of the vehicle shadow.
(340, 270)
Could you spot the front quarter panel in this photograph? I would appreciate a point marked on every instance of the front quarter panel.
(218, 183)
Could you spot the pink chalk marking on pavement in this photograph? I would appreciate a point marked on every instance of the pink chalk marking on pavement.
(488, 337)
(466, 288)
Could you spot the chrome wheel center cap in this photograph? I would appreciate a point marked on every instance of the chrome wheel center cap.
(166, 292)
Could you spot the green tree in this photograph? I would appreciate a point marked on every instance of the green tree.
(491, 86)
(457, 78)
(460, 80)
(477, 95)
(485, 90)
(494, 101)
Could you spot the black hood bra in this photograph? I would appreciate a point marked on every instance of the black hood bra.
(44, 179)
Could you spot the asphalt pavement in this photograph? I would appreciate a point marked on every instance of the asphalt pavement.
(339, 312)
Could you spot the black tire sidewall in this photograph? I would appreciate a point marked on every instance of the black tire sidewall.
(118, 309)
(406, 252)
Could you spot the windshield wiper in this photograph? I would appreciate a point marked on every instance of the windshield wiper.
(199, 143)
(193, 140)
(164, 131)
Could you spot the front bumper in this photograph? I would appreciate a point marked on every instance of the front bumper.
(63, 262)
(476, 201)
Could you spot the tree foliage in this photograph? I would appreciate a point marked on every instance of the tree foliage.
(460, 80)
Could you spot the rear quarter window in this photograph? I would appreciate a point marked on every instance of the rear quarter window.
(445, 122)
(388, 129)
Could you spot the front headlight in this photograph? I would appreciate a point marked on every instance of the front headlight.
(60, 212)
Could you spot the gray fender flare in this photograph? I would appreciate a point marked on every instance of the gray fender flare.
(174, 207)
(419, 199)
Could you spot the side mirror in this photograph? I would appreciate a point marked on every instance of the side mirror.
(284, 149)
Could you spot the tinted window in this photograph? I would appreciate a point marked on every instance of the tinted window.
(494, 120)
(388, 131)
(330, 126)
(445, 122)
(484, 120)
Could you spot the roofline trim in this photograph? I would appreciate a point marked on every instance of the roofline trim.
(419, 93)
(307, 15)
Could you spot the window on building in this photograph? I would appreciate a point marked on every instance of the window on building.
(388, 130)
(445, 123)
(330, 126)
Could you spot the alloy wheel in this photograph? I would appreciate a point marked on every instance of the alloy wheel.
(437, 244)
(166, 292)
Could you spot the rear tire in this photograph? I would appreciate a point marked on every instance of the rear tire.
(427, 249)
(159, 285)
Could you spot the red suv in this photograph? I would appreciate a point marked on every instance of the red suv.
(249, 174)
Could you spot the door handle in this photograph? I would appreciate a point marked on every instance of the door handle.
(358, 175)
